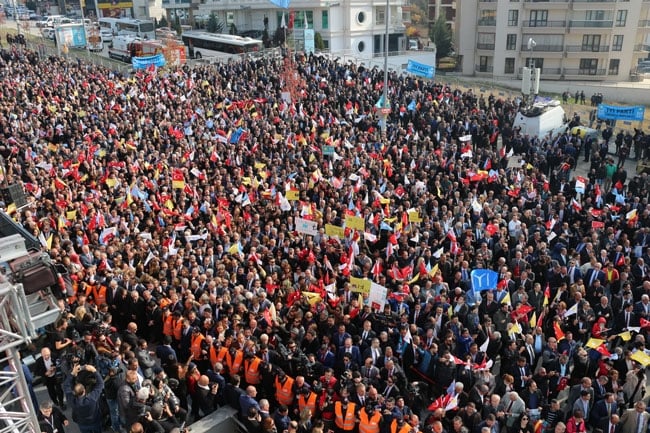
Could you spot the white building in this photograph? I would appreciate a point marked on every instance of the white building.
(346, 26)
(574, 39)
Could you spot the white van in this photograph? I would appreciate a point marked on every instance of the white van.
(542, 119)
(56, 20)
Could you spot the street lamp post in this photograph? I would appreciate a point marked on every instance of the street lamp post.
(385, 106)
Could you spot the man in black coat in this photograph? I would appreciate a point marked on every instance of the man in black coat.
(51, 419)
(45, 367)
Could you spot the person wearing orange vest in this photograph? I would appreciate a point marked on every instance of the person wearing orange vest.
(399, 426)
(307, 400)
(168, 324)
(344, 416)
(369, 420)
(234, 360)
(98, 292)
(252, 372)
(284, 389)
(198, 348)
(177, 326)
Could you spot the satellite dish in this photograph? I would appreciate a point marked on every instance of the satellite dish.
(531, 43)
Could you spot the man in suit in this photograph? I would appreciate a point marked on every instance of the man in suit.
(642, 308)
(349, 349)
(574, 393)
(367, 334)
(628, 318)
(635, 420)
(512, 406)
(584, 404)
(610, 424)
(326, 357)
(374, 352)
(603, 409)
(522, 374)
(594, 274)
(46, 368)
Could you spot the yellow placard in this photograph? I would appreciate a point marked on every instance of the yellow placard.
(625, 336)
(111, 182)
(71, 215)
(384, 201)
(293, 195)
(594, 343)
(414, 217)
(259, 166)
(332, 230)
(246, 181)
(312, 298)
(355, 222)
(641, 357)
(360, 285)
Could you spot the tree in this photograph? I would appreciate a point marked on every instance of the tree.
(214, 25)
(440, 34)
(163, 22)
(233, 29)
(318, 41)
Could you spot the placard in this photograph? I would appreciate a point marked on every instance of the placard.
(332, 230)
(377, 296)
(306, 226)
(355, 222)
(360, 285)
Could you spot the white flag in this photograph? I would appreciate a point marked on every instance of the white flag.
(282, 23)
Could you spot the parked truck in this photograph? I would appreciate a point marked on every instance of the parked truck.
(126, 47)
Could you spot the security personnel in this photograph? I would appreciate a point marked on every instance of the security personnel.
(307, 400)
(234, 361)
(369, 420)
(284, 389)
(344, 417)
(196, 346)
(399, 426)
(252, 372)
(98, 292)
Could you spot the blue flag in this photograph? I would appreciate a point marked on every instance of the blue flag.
(380, 102)
(483, 279)
(411, 106)
(234, 138)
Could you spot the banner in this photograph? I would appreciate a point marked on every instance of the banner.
(483, 279)
(377, 297)
(360, 285)
(157, 60)
(332, 230)
(310, 45)
(421, 69)
(355, 222)
(306, 226)
(612, 112)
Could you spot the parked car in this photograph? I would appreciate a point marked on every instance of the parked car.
(107, 35)
(48, 33)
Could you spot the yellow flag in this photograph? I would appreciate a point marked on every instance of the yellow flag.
(433, 271)
(312, 298)
(111, 182)
(625, 336)
(516, 329)
(415, 278)
(49, 242)
(594, 343)
(506, 299)
(71, 215)
(11, 208)
(533, 320)
(641, 357)
(450, 311)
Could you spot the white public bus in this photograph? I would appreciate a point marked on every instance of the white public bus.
(143, 29)
(204, 45)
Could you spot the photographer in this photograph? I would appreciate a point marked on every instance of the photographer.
(112, 383)
(85, 403)
(46, 367)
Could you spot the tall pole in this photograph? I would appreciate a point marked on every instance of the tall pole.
(385, 105)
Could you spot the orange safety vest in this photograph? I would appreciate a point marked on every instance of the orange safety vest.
(234, 365)
(212, 353)
(369, 425)
(168, 326)
(310, 403)
(222, 354)
(284, 393)
(195, 347)
(406, 428)
(344, 423)
(178, 329)
(99, 294)
(252, 371)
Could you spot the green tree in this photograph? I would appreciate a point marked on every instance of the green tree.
(163, 22)
(214, 24)
(318, 41)
(177, 25)
(440, 34)
(233, 29)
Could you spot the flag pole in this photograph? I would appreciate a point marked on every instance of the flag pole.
(384, 125)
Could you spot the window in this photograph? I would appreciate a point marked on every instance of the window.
(488, 17)
(513, 17)
(483, 64)
(595, 15)
(617, 43)
(485, 41)
(509, 67)
(588, 66)
(361, 17)
(538, 18)
(380, 16)
(361, 46)
(621, 18)
(326, 44)
(230, 18)
(591, 43)
(299, 19)
(325, 20)
(613, 66)
(537, 62)
(511, 42)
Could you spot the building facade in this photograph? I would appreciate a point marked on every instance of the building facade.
(346, 26)
(445, 8)
(571, 39)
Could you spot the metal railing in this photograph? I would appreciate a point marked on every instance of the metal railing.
(644, 23)
(480, 46)
(641, 47)
(543, 48)
(547, 1)
(479, 68)
(547, 71)
(487, 22)
(591, 23)
(584, 72)
(594, 1)
(537, 23)
(586, 48)
(177, 2)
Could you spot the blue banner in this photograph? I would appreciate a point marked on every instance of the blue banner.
(421, 69)
(281, 3)
(483, 279)
(613, 112)
(157, 60)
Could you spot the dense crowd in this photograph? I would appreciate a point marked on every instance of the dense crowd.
(215, 234)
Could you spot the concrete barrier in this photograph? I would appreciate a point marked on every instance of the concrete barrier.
(223, 420)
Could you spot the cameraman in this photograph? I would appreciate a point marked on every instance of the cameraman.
(85, 403)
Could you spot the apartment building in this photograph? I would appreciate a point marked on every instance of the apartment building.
(355, 27)
(445, 8)
(599, 40)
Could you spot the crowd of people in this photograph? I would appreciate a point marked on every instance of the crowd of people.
(218, 238)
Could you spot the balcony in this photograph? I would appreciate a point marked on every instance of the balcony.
(641, 47)
(532, 23)
(479, 68)
(546, 1)
(546, 4)
(481, 46)
(644, 23)
(543, 48)
(591, 24)
(547, 71)
(177, 3)
(584, 72)
(586, 48)
(594, 1)
(487, 22)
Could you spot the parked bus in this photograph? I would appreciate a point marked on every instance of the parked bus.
(109, 24)
(143, 29)
(203, 44)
